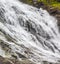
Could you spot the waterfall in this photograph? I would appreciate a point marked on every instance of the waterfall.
(28, 32)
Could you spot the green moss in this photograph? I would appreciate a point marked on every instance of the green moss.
(56, 5)
(53, 3)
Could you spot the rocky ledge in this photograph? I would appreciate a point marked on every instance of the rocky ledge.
(14, 61)
(55, 12)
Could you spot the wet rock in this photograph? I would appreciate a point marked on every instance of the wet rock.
(21, 56)
(58, 18)
(54, 12)
(14, 61)
(39, 4)
(5, 61)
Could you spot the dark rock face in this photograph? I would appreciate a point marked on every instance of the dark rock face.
(56, 13)
(39, 4)
(58, 18)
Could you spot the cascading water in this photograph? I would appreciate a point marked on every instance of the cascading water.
(28, 32)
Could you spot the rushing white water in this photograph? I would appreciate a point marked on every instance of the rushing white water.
(28, 32)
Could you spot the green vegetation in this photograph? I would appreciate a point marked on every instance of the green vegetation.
(53, 3)
(56, 4)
